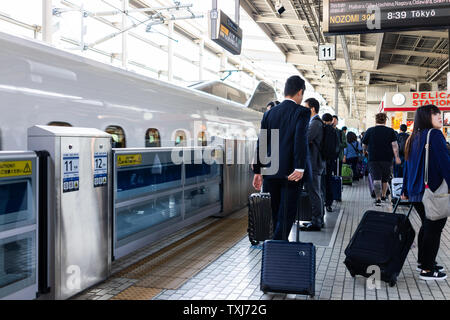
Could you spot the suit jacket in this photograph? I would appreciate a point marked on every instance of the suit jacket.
(315, 136)
(292, 122)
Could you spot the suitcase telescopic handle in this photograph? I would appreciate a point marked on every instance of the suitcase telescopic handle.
(285, 204)
(398, 203)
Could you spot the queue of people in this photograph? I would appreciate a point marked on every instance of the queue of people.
(312, 150)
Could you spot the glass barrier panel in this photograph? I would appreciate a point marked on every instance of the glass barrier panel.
(198, 198)
(134, 182)
(17, 263)
(136, 218)
(199, 173)
(16, 204)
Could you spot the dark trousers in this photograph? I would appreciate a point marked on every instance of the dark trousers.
(353, 162)
(315, 196)
(330, 168)
(284, 200)
(429, 238)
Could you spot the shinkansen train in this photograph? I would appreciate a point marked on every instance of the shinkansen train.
(41, 85)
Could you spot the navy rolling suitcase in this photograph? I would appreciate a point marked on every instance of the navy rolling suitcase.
(260, 226)
(288, 267)
(383, 239)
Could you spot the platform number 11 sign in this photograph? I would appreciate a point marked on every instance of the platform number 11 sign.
(327, 52)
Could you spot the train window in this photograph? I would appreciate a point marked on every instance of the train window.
(152, 138)
(201, 140)
(59, 124)
(180, 138)
(118, 136)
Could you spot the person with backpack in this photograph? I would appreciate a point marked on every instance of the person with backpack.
(315, 137)
(401, 138)
(352, 154)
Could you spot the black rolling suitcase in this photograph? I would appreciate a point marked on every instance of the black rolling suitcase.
(288, 267)
(383, 239)
(305, 214)
(260, 226)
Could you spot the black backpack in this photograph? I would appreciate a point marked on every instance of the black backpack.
(402, 137)
(330, 143)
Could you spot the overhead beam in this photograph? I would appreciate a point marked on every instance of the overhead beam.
(310, 62)
(314, 44)
(284, 21)
(376, 60)
(424, 33)
(416, 53)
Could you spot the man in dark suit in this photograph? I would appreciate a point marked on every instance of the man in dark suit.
(284, 136)
(313, 186)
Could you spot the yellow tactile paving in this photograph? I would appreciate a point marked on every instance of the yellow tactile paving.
(160, 282)
(137, 293)
(175, 264)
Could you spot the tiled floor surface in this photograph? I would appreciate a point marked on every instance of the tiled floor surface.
(236, 273)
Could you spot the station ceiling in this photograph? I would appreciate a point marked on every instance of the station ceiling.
(376, 59)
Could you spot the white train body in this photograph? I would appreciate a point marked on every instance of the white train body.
(40, 84)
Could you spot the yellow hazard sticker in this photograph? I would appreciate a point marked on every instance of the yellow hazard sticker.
(15, 168)
(129, 159)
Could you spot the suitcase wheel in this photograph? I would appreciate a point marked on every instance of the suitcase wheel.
(392, 283)
(254, 242)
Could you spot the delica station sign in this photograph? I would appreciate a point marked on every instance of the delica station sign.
(410, 101)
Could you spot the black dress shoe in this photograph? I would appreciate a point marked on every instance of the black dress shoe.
(310, 227)
(329, 209)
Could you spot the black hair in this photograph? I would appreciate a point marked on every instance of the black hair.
(351, 137)
(336, 117)
(403, 128)
(313, 103)
(277, 102)
(271, 104)
(327, 117)
(344, 128)
(293, 85)
(422, 121)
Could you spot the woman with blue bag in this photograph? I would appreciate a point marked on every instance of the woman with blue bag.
(426, 180)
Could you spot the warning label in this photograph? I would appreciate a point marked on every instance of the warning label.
(129, 159)
(15, 168)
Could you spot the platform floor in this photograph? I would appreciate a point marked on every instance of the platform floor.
(220, 264)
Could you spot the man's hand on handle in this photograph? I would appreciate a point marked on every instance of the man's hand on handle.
(295, 176)
(398, 161)
(257, 181)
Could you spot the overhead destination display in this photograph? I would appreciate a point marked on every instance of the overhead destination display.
(225, 32)
(362, 16)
